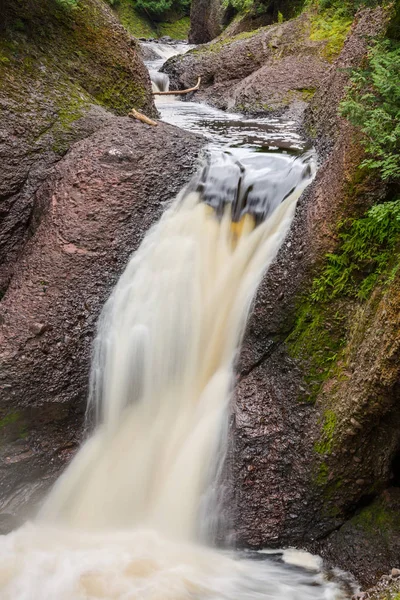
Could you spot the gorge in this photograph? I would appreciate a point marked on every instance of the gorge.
(232, 400)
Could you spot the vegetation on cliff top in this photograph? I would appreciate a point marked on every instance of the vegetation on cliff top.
(372, 103)
(153, 18)
(139, 24)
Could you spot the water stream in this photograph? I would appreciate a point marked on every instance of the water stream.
(126, 520)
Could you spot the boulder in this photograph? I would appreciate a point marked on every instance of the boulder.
(258, 72)
(61, 67)
(88, 217)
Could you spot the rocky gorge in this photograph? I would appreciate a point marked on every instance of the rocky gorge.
(314, 425)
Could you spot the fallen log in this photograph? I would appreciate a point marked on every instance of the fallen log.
(135, 114)
(171, 93)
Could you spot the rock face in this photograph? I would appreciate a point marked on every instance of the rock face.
(89, 215)
(316, 417)
(60, 66)
(370, 541)
(260, 71)
(206, 20)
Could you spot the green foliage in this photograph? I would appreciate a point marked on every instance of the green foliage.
(332, 26)
(179, 30)
(365, 252)
(134, 22)
(68, 4)
(241, 6)
(160, 8)
(346, 7)
(372, 103)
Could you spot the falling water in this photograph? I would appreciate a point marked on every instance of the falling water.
(162, 371)
(126, 520)
(123, 520)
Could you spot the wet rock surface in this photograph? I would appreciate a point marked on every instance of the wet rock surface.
(90, 214)
(370, 541)
(259, 71)
(301, 473)
(60, 69)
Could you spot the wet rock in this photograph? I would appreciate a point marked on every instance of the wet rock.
(58, 71)
(95, 210)
(295, 448)
(369, 541)
(266, 71)
(148, 53)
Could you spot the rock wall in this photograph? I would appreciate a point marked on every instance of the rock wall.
(206, 20)
(315, 423)
(90, 215)
(61, 65)
(79, 187)
(258, 72)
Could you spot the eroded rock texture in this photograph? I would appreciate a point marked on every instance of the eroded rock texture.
(206, 20)
(88, 217)
(60, 67)
(263, 71)
(316, 417)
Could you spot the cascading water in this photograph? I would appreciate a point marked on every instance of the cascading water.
(125, 520)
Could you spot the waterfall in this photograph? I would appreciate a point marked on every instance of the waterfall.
(126, 520)
(159, 81)
(163, 363)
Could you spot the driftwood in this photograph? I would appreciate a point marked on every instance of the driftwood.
(135, 114)
(170, 93)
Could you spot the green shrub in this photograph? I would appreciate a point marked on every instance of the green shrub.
(365, 251)
(159, 8)
(372, 103)
(68, 4)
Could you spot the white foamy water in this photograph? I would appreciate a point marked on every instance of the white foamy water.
(39, 563)
(163, 367)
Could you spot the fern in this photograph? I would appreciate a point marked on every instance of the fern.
(365, 251)
(372, 103)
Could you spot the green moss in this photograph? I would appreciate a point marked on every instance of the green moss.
(325, 444)
(10, 419)
(134, 22)
(69, 109)
(179, 30)
(332, 27)
(307, 93)
(377, 517)
(322, 475)
(316, 341)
